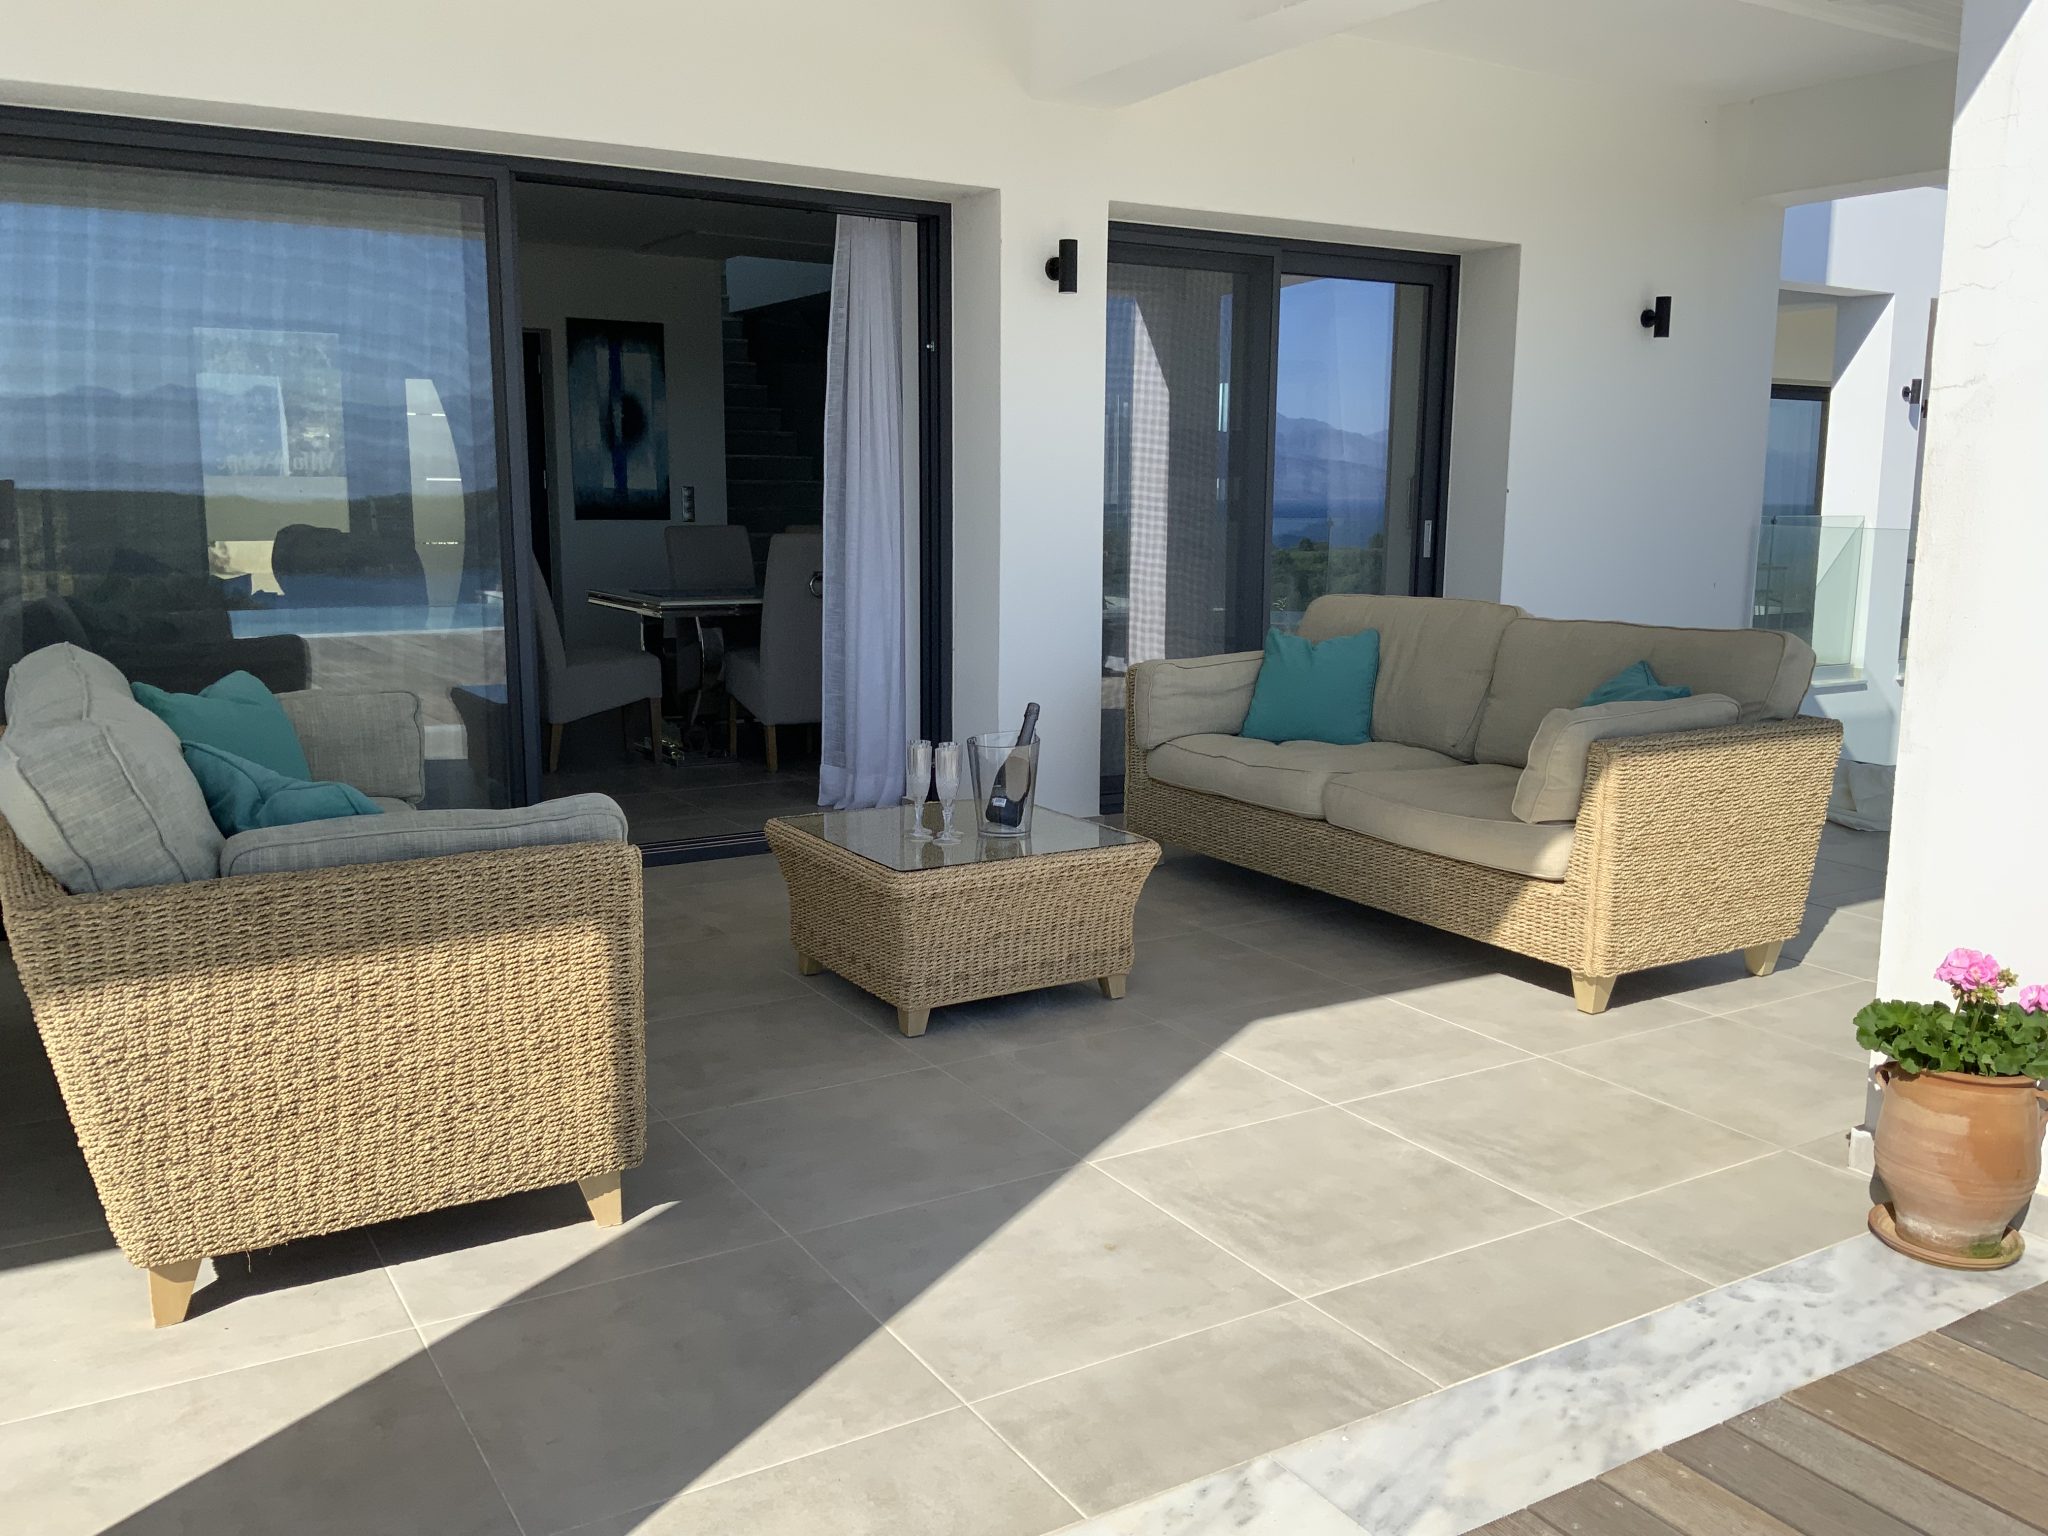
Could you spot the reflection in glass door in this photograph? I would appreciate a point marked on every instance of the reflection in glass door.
(1273, 430)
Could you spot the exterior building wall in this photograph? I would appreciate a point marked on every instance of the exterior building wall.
(1594, 471)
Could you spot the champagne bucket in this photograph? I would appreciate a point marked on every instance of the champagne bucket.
(1005, 783)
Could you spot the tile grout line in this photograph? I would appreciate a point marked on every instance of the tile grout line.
(901, 1343)
(427, 1349)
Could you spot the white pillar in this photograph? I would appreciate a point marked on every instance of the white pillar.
(1970, 839)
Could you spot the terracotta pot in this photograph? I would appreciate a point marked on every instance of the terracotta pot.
(1960, 1156)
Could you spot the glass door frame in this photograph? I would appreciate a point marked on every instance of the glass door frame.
(259, 153)
(1269, 260)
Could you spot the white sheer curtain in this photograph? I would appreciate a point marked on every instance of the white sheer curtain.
(862, 735)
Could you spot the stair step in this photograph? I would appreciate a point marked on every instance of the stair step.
(768, 466)
(751, 418)
(742, 443)
(740, 373)
(750, 396)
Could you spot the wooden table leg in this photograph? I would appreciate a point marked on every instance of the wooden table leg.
(604, 1194)
(913, 1020)
(1113, 986)
(170, 1291)
(806, 966)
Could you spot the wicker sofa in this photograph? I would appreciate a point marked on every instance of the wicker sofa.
(1685, 843)
(250, 1058)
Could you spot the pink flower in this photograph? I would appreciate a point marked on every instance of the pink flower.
(2033, 999)
(1968, 969)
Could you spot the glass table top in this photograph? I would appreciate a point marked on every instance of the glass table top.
(883, 836)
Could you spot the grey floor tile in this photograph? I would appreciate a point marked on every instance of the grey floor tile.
(1347, 1050)
(990, 1024)
(1486, 1307)
(1772, 1088)
(1740, 1221)
(717, 974)
(1259, 1496)
(47, 1191)
(1721, 983)
(1532, 1008)
(78, 1325)
(1824, 1020)
(469, 1257)
(1571, 1141)
(1865, 850)
(701, 1061)
(1120, 1090)
(1131, 1426)
(1840, 941)
(837, 1154)
(338, 1442)
(1203, 975)
(1322, 1199)
(1358, 944)
(1005, 1286)
(626, 1394)
(945, 1476)
(28, 1088)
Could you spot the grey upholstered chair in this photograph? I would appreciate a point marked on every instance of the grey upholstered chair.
(710, 557)
(592, 678)
(781, 681)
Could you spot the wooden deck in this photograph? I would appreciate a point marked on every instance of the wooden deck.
(1945, 1436)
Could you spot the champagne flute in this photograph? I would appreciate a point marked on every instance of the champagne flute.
(946, 770)
(917, 782)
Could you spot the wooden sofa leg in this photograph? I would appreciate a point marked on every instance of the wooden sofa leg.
(732, 727)
(554, 748)
(1762, 959)
(606, 1199)
(1591, 992)
(170, 1291)
(769, 732)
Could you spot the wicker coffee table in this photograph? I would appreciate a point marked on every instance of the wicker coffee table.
(923, 924)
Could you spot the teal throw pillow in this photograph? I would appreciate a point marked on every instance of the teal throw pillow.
(1320, 692)
(244, 795)
(237, 714)
(1634, 684)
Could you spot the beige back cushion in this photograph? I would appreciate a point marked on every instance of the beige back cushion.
(1550, 787)
(1436, 655)
(1547, 664)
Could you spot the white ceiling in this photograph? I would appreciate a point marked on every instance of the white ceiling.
(660, 224)
(1720, 50)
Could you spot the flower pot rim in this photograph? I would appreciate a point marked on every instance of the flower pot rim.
(1975, 1079)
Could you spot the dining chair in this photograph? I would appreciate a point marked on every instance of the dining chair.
(584, 680)
(781, 681)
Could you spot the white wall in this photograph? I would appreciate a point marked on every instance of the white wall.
(1599, 472)
(1805, 350)
(558, 281)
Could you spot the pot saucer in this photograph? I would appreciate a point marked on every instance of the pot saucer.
(1887, 1232)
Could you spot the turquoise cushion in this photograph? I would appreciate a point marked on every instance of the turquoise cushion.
(237, 714)
(1319, 692)
(244, 795)
(1632, 684)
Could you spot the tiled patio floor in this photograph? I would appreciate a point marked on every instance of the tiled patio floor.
(1057, 1255)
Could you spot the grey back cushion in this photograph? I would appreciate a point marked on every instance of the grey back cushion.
(1547, 664)
(1436, 657)
(93, 784)
(408, 834)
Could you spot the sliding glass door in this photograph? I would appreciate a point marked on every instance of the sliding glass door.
(248, 421)
(1274, 428)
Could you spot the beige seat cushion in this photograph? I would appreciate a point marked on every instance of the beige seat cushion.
(1546, 664)
(1550, 786)
(1279, 775)
(1464, 812)
(1436, 657)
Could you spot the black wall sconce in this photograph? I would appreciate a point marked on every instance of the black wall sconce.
(1657, 318)
(1065, 268)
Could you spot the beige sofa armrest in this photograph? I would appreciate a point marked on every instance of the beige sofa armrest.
(251, 1060)
(1700, 842)
(1203, 695)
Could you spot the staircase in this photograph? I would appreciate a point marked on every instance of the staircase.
(771, 480)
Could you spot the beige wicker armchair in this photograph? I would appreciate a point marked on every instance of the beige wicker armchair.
(258, 1058)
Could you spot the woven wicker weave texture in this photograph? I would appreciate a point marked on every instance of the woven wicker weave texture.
(266, 1057)
(1688, 844)
(931, 937)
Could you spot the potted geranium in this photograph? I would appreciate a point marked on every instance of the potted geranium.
(1960, 1121)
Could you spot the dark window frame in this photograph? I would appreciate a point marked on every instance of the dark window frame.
(94, 137)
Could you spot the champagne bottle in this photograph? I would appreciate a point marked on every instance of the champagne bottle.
(1012, 785)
